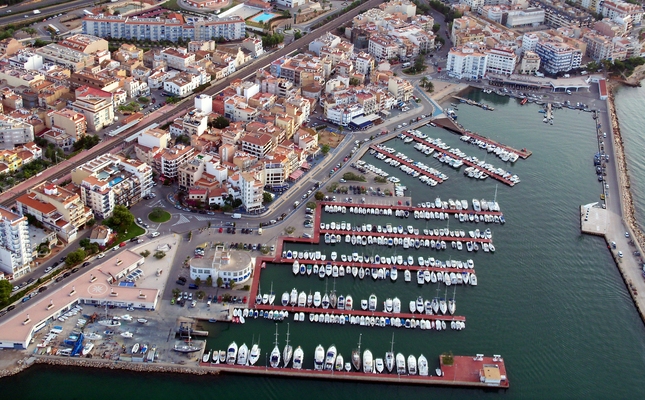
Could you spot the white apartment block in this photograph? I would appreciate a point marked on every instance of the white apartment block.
(14, 132)
(529, 41)
(155, 29)
(473, 4)
(252, 190)
(558, 57)
(343, 114)
(26, 59)
(528, 17)
(466, 62)
(177, 58)
(617, 8)
(291, 3)
(364, 63)
(501, 61)
(182, 84)
(15, 248)
(382, 48)
(109, 180)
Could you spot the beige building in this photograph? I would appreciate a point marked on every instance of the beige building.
(71, 122)
(96, 105)
(530, 63)
(168, 161)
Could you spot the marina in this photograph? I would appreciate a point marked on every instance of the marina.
(470, 102)
(482, 166)
(478, 371)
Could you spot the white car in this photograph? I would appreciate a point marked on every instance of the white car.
(155, 234)
(48, 269)
(101, 255)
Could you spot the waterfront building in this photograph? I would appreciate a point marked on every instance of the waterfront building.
(557, 56)
(217, 262)
(466, 62)
(530, 63)
(15, 246)
(501, 61)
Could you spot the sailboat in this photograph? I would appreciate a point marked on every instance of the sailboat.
(452, 306)
(288, 351)
(356, 354)
(274, 359)
(271, 295)
(258, 298)
(389, 356)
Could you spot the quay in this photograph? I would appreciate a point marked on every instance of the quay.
(469, 163)
(408, 164)
(465, 371)
(454, 127)
(404, 235)
(474, 103)
(289, 262)
(359, 313)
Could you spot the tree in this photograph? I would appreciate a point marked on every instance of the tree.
(297, 35)
(5, 291)
(145, 253)
(232, 284)
(185, 139)
(159, 254)
(176, 292)
(121, 218)
(75, 257)
(354, 81)
(319, 195)
(324, 149)
(209, 281)
(198, 281)
(266, 197)
(220, 281)
(436, 28)
(220, 122)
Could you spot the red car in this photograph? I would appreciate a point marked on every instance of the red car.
(122, 244)
(221, 230)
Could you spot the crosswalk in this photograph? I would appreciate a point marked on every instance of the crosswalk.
(182, 220)
(186, 218)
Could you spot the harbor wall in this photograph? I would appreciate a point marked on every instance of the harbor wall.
(628, 211)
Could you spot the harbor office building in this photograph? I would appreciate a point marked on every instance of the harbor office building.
(96, 286)
(231, 266)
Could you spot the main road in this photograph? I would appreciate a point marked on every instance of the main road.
(18, 13)
(65, 167)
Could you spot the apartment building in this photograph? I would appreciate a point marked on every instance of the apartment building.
(59, 209)
(168, 160)
(71, 122)
(621, 9)
(557, 56)
(70, 58)
(258, 145)
(466, 62)
(501, 61)
(26, 59)
(178, 58)
(14, 131)
(182, 84)
(530, 63)
(382, 47)
(109, 180)
(15, 244)
(252, 190)
(364, 63)
(155, 29)
(528, 17)
(96, 105)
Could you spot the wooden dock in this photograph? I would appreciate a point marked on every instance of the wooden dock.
(466, 162)
(464, 371)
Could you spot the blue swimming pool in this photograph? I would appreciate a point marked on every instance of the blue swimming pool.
(265, 16)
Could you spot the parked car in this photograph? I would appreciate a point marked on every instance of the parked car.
(48, 269)
(193, 286)
(181, 282)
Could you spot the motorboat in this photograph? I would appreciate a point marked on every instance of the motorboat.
(388, 305)
(243, 355)
(285, 299)
(349, 302)
(400, 364)
(293, 297)
(394, 274)
(422, 364)
(296, 267)
(339, 363)
(412, 365)
(110, 322)
(302, 299)
(127, 334)
(142, 320)
(372, 302)
(221, 359)
(364, 304)
(87, 349)
(379, 365)
(135, 348)
(319, 358)
(231, 353)
(254, 355)
(298, 357)
(330, 358)
(325, 301)
(407, 275)
(396, 305)
(126, 317)
(368, 362)
(93, 336)
(317, 299)
(389, 357)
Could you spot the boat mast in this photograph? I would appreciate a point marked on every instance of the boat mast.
(392, 344)
(276, 334)
(287, 335)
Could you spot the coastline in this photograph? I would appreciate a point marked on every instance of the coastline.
(628, 211)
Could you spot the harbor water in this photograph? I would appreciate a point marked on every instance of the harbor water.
(549, 300)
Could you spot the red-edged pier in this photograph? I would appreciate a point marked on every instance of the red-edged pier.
(477, 372)
(403, 235)
(410, 165)
(469, 163)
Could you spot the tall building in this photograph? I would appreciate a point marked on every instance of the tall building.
(466, 62)
(501, 61)
(110, 180)
(15, 247)
(14, 131)
(558, 57)
(96, 105)
(252, 191)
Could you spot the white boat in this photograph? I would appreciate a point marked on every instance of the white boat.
(356, 355)
(271, 295)
(400, 364)
(87, 348)
(319, 358)
(127, 334)
(302, 299)
(142, 320)
(296, 267)
(298, 357)
(388, 305)
(243, 354)
(110, 322)
(368, 362)
(288, 351)
(372, 302)
(135, 348)
(396, 305)
(285, 299)
(254, 355)
(231, 353)
(293, 297)
(412, 365)
(394, 274)
(317, 299)
(93, 336)
(349, 302)
(422, 364)
(274, 358)
(389, 357)
(339, 363)
(330, 358)
(126, 317)
(407, 275)
(379, 365)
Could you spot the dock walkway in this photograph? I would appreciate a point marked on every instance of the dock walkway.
(469, 163)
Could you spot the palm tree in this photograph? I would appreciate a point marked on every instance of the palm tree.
(424, 82)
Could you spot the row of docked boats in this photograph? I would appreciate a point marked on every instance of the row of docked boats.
(502, 153)
(325, 301)
(437, 205)
(330, 269)
(406, 243)
(408, 165)
(447, 278)
(364, 167)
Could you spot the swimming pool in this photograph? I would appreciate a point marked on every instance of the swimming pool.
(265, 16)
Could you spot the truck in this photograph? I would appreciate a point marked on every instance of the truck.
(88, 13)
(259, 231)
(36, 12)
(236, 216)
